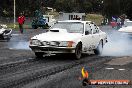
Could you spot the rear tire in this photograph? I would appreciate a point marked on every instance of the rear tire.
(99, 48)
(39, 54)
(78, 51)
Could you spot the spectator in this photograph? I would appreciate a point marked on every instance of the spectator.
(113, 22)
(21, 20)
(118, 22)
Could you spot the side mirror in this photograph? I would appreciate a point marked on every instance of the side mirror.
(86, 32)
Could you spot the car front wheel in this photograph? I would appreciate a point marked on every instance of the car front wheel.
(39, 54)
(99, 48)
(78, 51)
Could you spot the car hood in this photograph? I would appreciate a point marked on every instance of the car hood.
(57, 35)
(126, 29)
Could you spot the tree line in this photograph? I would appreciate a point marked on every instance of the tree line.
(105, 7)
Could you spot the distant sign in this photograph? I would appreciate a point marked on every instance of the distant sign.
(72, 16)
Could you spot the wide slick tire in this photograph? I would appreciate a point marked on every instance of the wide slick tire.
(39, 54)
(78, 51)
(99, 48)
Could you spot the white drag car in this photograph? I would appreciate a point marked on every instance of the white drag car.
(127, 27)
(5, 33)
(70, 36)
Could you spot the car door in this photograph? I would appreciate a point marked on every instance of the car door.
(87, 37)
(95, 35)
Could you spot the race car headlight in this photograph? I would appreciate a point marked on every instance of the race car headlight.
(63, 43)
(66, 43)
(44, 43)
(35, 42)
(53, 43)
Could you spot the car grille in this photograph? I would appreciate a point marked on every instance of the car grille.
(52, 43)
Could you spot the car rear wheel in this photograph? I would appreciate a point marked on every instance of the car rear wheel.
(39, 54)
(99, 48)
(78, 51)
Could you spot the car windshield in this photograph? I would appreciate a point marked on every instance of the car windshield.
(71, 27)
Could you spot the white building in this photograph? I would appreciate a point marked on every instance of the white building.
(50, 9)
(71, 16)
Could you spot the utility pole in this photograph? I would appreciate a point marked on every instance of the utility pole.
(14, 13)
(119, 8)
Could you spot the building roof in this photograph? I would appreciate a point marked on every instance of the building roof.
(75, 21)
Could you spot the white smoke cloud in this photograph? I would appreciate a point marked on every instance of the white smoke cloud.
(119, 44)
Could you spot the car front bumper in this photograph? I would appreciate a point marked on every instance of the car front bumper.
(52, 49)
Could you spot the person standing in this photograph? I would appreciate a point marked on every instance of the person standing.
(118, 22)
(21, 20)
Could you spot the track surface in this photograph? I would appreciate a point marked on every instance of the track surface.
(20, 69)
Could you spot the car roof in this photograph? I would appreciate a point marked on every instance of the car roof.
(75, 21)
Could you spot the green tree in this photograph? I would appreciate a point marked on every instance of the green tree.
(87, 7)
(112, 8)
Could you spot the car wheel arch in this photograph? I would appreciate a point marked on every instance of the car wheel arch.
(98, 50)
(101, 40)
(79, 42)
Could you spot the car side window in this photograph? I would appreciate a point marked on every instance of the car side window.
(88, 29)
(98, 30)
(95, 29)
(77, 28)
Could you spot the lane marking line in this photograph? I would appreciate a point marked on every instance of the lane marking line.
(15, 34)
(121, 69)
(109, 68)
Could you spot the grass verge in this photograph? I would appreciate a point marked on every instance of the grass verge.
(11, 25)
(97, 18)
